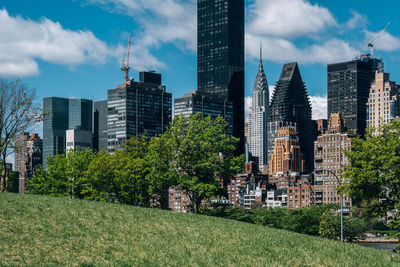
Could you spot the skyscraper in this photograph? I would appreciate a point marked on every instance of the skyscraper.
(290, 104)
(100, 114)
(220, 55)
(63, 114)
(258, 120)
(383, 104)
(348, 89)
(330, 160)
(208, 104)
(136, 108)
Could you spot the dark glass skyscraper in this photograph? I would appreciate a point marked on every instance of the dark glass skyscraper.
(137, 108)
(63, 114)
(348, 90)
(220, 55)
(290, 104)
(100, 114)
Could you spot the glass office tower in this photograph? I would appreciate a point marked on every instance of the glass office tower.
(220, 59)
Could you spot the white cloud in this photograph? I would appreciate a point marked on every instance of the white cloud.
(383, 41)
(357, 20)
(277, 22)
(319, 106)
(23, 41)
(161, 22)
(288, 18)
(247, 105)
(282, 51)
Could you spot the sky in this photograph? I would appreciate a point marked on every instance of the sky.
(74, 48)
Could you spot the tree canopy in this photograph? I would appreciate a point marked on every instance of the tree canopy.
(374, 173)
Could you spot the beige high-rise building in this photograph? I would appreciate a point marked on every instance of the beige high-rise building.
(383, 101)
(329, 160)
(286, 155)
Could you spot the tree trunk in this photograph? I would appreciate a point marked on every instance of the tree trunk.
(4, 174)
(196, 201)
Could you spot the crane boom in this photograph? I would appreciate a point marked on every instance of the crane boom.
(125, 62)
(129, 50)
(372, 42)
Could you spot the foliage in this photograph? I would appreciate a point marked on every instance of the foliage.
(374, 172)
(42, 230)
(18, 112)
(197, 154)
(305, 220)
(353, 227)
(65, 174)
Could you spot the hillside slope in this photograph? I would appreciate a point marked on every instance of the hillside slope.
(37, 230)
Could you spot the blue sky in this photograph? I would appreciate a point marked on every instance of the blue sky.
(73, 48)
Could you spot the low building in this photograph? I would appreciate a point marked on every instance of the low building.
(300, 194)
(276, 198)
(178, 200)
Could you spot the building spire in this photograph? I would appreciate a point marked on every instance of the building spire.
(261, 54)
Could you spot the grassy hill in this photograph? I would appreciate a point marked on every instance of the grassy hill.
(37, 230)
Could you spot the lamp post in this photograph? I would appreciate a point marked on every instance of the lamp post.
(341, 206)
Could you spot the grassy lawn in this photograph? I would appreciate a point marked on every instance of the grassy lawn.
(37, 230)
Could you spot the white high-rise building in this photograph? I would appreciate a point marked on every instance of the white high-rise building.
(258, 120)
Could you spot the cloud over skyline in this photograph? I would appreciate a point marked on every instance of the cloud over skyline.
(24, 41)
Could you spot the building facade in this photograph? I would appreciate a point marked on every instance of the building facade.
(330, 160)
(383, 104)
(63, 114)
(100, 114)
(208, 104)
(137, 108)
(349, 84)
(28, 155)
(290, 104)
(287, 156)
(258, 120)
(78, 139)
(220, 55)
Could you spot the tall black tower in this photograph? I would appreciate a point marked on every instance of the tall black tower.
(220, 55)
(290, 105)
(348, 90)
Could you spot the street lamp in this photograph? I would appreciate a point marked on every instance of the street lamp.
(341, 206)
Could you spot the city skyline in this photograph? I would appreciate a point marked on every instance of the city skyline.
(87, 61)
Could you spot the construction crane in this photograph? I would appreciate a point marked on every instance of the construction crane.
(125, 62)
(372, 42)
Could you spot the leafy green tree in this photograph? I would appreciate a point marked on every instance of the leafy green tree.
(374, 172)
(353, 227)
(65, 174)
(132, 172)
(198, 154)
(329, 226)
(101, 182)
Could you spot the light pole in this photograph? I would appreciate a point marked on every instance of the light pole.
(341, 206)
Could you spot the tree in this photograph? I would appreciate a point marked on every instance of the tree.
(101, 179)
(65, 174)
(132, 172)
(374, 172)
(353, 227)
(198, 153)
(18, 112)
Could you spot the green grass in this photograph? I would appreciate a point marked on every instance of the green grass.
(37, 230)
